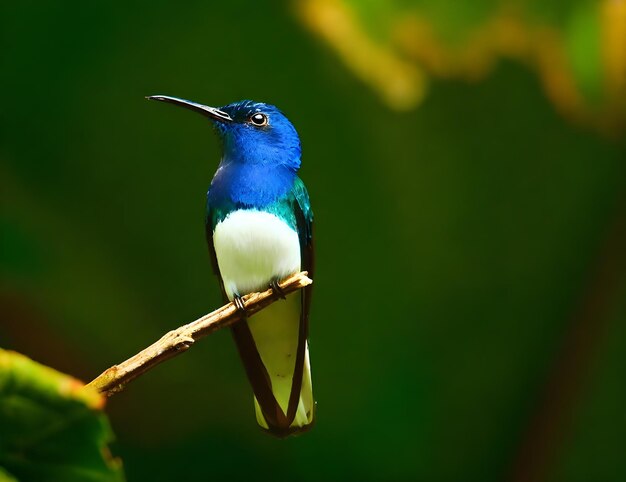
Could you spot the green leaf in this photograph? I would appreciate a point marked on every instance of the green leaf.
(6, 477)
(52, 428)
(400, 47)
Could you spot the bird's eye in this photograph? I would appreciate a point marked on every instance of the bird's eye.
(258, 119)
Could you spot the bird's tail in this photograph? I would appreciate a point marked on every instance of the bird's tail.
(304, 414)
(275, 353)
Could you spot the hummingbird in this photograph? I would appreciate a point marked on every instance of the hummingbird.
(259, 226)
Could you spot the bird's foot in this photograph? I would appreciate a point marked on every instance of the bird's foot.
(277, 289)
(241, 307)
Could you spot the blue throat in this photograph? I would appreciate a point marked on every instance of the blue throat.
(244, 185)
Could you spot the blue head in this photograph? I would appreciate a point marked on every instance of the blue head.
(252, 133)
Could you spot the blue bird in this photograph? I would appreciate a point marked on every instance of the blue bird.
(259, 230)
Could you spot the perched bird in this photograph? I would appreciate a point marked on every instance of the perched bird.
(259, 230)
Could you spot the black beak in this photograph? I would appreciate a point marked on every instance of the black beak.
(210, 112)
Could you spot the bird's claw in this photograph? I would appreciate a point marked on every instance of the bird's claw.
(241, 307)
(278, 290)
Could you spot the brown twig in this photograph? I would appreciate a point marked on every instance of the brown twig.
(177, 341)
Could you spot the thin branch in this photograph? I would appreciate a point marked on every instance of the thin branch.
(177, 341)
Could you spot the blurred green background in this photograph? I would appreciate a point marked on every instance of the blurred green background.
(466, 165)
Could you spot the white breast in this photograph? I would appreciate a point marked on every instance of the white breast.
(253, 248)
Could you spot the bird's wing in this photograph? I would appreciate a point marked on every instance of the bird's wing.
(209, 226)
(304, 224)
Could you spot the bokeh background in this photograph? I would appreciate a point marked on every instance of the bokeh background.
(466, 164)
